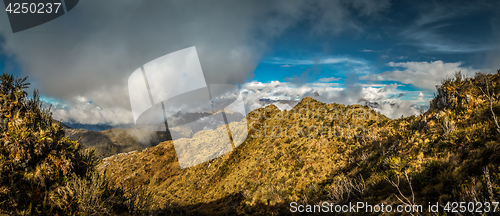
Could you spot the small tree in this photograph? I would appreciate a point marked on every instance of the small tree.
(402, 198)
(488, 90)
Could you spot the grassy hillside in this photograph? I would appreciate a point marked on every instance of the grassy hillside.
(450, 153)
(311, 154)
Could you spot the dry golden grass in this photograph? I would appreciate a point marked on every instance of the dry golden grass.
(441, 150)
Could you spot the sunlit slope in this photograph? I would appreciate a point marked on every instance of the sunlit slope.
(343, 154)
(287, 163)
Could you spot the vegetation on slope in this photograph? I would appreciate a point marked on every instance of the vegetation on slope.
(313, 153)
(450, 153)
(42, 172)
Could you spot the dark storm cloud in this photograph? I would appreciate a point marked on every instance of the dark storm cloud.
(90, 52)
(492, 60)
(453, 26)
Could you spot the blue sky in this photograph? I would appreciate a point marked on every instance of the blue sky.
(389, 52)
(405, 32)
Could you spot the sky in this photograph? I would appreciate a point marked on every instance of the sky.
(393, 53)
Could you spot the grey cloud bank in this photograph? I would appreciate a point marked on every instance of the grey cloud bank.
(90, 52)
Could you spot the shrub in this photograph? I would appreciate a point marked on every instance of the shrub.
(41, 170)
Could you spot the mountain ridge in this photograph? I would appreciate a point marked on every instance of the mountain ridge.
(268, 171)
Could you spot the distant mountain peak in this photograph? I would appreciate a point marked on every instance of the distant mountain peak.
(308, 102)
(271, 106)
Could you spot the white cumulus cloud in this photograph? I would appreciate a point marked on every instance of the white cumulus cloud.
(421, 74)
(329, 79)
